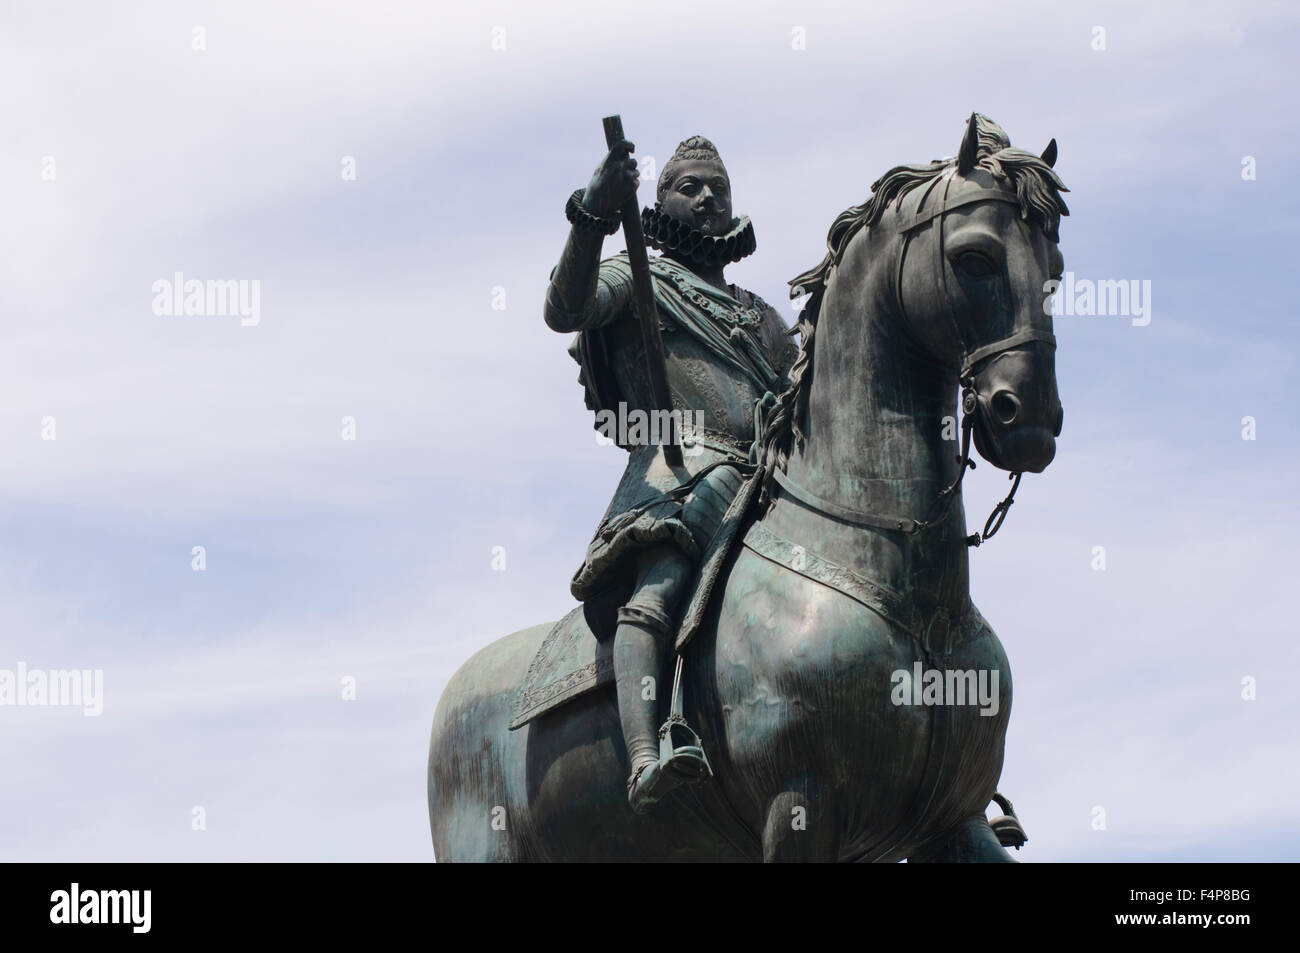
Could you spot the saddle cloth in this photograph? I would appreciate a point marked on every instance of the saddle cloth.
(571, 662)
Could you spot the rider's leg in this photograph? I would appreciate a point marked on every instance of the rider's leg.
(640, 644)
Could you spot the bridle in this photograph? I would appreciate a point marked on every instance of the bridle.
(971, 356)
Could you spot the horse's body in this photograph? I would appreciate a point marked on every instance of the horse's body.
(790, 681)
(782, 707)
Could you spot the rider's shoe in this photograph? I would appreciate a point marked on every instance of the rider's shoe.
(653, 779)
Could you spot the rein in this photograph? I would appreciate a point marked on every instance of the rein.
(969, 400)
(906, 525)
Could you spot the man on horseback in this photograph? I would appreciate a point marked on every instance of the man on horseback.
(724, 348)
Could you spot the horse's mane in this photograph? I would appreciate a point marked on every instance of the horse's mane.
(1037, 187)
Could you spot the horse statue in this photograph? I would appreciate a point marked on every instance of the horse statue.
(834, 672)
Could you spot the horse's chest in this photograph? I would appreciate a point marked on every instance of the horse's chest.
(810, 685)
(804, 670)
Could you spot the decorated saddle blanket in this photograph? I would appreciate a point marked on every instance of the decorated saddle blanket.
(569, 663)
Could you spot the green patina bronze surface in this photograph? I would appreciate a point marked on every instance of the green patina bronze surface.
(849, 566)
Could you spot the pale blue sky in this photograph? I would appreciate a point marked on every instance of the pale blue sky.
(372, 558)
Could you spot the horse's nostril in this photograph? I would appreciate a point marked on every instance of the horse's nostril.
(1060, 419)
(1005, 407)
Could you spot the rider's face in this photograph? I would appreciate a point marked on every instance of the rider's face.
(700, 195)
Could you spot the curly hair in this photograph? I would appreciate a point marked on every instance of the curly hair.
(696, 147)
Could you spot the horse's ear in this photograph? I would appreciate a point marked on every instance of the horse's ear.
(969, 151)
(1049, 154)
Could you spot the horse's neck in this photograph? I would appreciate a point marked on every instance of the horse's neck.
(880, 439)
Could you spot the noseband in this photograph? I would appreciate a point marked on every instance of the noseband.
(971, 356)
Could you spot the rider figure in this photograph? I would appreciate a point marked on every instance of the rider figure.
(724, 348)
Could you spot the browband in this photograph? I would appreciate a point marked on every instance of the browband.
(970, 198)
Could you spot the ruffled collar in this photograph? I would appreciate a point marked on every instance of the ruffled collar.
(666, 234)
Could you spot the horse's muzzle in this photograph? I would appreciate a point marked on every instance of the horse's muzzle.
(1018, 412)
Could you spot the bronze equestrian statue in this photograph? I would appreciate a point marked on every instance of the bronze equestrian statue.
(839, 568)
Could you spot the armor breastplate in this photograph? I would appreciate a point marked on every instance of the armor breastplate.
(707, 393)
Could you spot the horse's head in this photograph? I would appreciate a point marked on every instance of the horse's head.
(977, 246)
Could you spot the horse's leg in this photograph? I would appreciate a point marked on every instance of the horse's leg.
(970, 841)
(798, 824)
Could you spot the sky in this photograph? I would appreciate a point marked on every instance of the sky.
(393, 176)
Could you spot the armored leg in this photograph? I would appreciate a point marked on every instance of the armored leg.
(641, 644)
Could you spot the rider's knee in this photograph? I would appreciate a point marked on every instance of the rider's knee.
(662, 575)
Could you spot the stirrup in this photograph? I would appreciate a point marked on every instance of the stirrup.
(687, 764)
(1007, 827)
(689, 760)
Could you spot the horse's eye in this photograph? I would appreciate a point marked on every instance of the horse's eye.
(975, 264)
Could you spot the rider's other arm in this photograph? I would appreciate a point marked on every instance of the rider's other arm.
(781, 348)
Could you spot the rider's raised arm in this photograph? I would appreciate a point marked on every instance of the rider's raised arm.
(582, 295)
(579, 296)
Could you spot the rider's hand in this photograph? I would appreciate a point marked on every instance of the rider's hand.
(613, 183)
